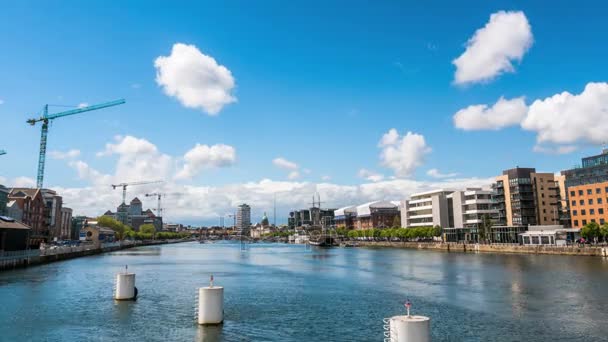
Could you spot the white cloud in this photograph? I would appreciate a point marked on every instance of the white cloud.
(195, 79)
(18, 182)
(370, 175)
(436, 174)
(73, 153)
(83, 104)
(325, 178)
(489, 53)
(567, 119)
(293, 175)
(403, 154)
(565, 149)
(283, 163)
(203, 156)
(502, 114)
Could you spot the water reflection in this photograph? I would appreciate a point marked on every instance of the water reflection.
(208, 333)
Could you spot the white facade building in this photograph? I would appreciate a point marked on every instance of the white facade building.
(468, 207)
(426, 209)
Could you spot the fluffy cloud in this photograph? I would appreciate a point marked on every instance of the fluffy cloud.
(567, 119)
(283, 163)
(293, 175)
(436, 174)
(195, 79)
(18, 182)
(203, 156)
(83, 104)
(489, 53)
(370, 175)
(73, 153)
(502, 114)
(403, 154)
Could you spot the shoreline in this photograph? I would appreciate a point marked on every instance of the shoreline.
(29, 258)
(495, 248)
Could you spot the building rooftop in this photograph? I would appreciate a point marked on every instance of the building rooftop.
(11, 223)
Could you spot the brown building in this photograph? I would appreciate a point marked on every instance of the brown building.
(524, 197)
(379, 214)
(32, 210)
(13, 235)
(588, 203)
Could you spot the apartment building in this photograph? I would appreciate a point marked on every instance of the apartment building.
(524, 197)
(467, 208)
(243, 218)
(587, 190)
(426, 209)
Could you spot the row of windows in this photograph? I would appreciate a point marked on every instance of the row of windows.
(591, 212)
(589, 201)
(602, 221)
(589, 192)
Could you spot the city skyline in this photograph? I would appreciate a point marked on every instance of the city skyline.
(237, 104)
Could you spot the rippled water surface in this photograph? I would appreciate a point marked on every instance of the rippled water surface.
(287, 293)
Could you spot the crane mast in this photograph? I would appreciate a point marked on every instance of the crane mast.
(46, 118)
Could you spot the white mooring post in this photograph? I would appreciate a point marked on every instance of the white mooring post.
(125, 286)
(408, 328)
(211, 304)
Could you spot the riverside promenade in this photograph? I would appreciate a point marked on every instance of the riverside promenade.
(575, 250)
(31, 257)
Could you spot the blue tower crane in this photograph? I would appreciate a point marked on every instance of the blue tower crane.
(46, 118)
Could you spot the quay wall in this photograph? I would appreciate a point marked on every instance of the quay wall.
(491, 248)
(19, 259)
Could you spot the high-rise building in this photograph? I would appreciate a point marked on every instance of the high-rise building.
(587, 191)
(52, 212)
(524, 197)
(243, 217)
(469, 207)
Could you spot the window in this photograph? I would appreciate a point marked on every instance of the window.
(600, 211)
(593, 220)
(574, 203)
(591, 201)
(584, 222)
(602, 221)
(543, 202)
(574, 212)
(575, 223)
(572, 193)
(544, 211)
(581, 202)
(606, 189)
(580, 192)
(591, 211)
(583, 212)
(545, 218)
(598, 190)
(589, 192)
(599, 200)
(542, 195)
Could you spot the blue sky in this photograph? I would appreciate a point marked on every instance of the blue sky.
(317, 83)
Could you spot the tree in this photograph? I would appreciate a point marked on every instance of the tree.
(485, 227)
(148, 229)
(118, 227)
(604, 231)
(590, 231)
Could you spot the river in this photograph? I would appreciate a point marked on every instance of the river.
(278, 292)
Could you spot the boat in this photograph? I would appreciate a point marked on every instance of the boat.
(322, 241)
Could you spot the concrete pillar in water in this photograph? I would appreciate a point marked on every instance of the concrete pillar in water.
(410, 329)
(125, 286)
(211, 304)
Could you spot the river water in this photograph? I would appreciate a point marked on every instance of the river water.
(277, 292)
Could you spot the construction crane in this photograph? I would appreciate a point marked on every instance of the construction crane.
(2, 152)
(125, 185)
(46, 118)
(159, 208)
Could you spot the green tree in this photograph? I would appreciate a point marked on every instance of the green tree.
(590, 231)
(604, 231)
(118, 227)
(148, 230)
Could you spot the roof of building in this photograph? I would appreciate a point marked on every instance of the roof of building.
(23, 192)
(10, 223)
(136, 201)
(346, 210)
(365, 209)
(430, 192)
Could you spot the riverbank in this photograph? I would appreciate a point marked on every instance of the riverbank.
(20, 259)
(494, 248)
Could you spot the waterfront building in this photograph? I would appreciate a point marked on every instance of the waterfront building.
(65, 224)
(345, 217)
(525, 197)
(314, 217)
(377, 214)
(132, 214)
(243, 218)
(78, 222)
(14, 235)
(555, 235)
(426, 209)
(4, 191)
(28, 206)
(52, 212)
(587, 191)
(467, 208)
(97, 234)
